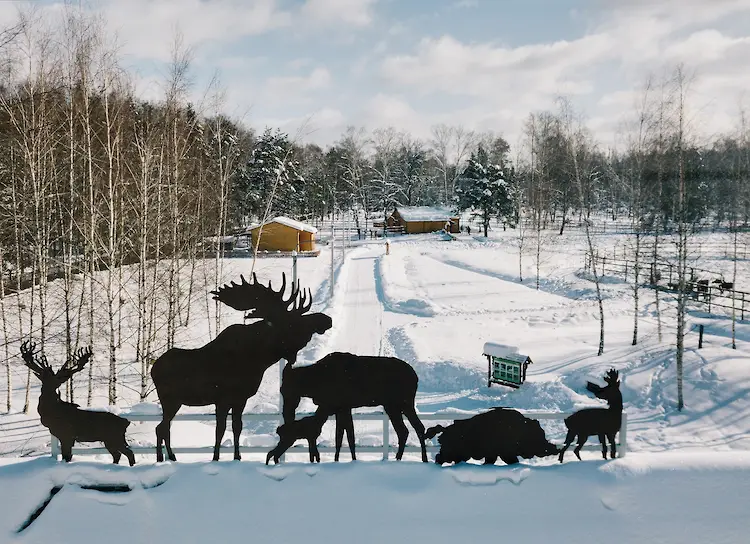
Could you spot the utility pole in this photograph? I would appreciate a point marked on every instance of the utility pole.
(332, 252)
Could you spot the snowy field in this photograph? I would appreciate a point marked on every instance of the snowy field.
(434, 303)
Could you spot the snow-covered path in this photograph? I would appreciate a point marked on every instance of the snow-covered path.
(359, 320)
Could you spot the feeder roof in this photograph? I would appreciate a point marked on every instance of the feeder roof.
(505, 351)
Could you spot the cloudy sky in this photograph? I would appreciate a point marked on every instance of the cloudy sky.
(483, 64)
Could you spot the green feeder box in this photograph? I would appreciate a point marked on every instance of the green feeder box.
(505, 365)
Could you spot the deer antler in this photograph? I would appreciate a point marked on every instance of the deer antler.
(76, 363)
(35, 361)
(263, 301)
(611, 376)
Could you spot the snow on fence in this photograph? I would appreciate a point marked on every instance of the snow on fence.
(385, 448)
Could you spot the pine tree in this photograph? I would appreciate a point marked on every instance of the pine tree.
(482, 187)
(271, 170)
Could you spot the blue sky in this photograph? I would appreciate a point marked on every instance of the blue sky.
(410, 64)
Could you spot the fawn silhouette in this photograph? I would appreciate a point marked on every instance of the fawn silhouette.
(601, 422)
(228, 370)
(309, 428)
(65, 420)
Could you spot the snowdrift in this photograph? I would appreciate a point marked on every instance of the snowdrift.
(666, 498)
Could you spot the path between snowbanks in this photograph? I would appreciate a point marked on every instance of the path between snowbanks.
(666, 498)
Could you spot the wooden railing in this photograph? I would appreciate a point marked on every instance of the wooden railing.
(711, 295)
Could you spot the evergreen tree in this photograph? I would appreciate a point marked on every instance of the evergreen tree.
(271, 171)
(482, 187)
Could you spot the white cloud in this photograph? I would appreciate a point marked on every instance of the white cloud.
(288, 88)
(465, 4)
(632, 39)
(147, 28)
(354, 12)
(323, 126)
(450, 66)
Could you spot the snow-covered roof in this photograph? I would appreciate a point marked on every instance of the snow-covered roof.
(224, 239)
(425, 213)
(506, 352)
(286, 221)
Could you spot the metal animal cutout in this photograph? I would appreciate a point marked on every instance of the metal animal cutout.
(601, 422)
(66, 420)
(228, 370)
(501, 432)
(342, 381)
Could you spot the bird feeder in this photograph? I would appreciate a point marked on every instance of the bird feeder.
(505, 366)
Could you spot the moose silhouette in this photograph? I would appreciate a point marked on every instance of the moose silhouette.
(601, 422)
(342, 381)
(228, 370)
(65, 420)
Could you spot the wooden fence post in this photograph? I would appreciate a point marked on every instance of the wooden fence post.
(700, 336)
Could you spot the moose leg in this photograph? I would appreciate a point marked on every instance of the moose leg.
(581, 441)
(350, 434)
(401, 431)
(603, 442)
(490, 459)
(411, 415)
(568, 441)
(339, 434)
(237, 410)
(222, 411)
(66, 450)
(344, 422)
(169, 410)
(613, 449)
(114, 452)
(124, 448)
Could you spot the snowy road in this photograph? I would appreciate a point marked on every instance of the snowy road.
(359, 329)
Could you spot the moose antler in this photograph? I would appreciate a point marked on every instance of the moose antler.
(76, 363)
(36, 361)
(263, 301)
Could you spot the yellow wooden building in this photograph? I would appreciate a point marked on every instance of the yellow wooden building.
(420, 219)
(284, 234)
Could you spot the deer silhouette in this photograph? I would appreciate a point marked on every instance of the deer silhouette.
(601, 422)
(228, 370)
(65, 420)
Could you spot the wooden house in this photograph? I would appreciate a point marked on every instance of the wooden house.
(420, 219)
(284, 234)
(505, 365)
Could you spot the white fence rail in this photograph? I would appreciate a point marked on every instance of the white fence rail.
(385, 448)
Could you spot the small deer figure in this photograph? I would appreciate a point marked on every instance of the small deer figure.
(308, 428)
(65, 420)
(602, 422)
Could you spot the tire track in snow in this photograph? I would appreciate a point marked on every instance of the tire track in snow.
(359, 312)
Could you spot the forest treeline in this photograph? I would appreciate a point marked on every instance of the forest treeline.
(99, 187)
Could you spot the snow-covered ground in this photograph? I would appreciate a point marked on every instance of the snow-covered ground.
(434, 303)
